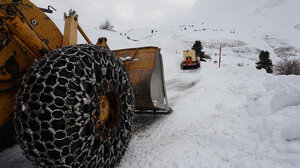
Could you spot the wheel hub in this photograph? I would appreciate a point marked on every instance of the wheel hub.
(104, 110)
(109, 112)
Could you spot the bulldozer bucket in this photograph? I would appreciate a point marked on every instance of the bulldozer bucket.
(146, 73)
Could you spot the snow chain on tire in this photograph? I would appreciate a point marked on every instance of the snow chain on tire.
(58, 107)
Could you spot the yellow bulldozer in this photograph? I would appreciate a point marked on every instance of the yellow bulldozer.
(69, 104)
(190, 60)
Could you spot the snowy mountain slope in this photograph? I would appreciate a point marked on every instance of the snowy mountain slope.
(254, 18)
(249, 12)
(277, 12)
(259, 17)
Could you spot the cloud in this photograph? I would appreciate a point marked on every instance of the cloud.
(124, 9)
(182, 3)
(124, 14)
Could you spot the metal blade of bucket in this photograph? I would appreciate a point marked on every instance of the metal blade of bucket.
(146, 73)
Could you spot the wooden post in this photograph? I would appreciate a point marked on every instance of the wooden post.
(220, 56)
(70, 32)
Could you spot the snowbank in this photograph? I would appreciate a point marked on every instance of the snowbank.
(279, 129)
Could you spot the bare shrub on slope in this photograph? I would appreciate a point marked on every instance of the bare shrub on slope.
(288, 67)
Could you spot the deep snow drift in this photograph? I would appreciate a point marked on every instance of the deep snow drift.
(233, 116)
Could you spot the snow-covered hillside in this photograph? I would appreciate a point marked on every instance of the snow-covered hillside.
(233, 116)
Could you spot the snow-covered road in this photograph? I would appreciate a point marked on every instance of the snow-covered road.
(218, 121)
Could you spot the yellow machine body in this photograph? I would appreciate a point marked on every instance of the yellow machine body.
(191, 54)
(190, 60)
(26, 33)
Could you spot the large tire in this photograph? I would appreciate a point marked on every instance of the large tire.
(7, 135)
(59, 116)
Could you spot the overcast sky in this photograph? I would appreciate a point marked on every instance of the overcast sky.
(127, 14)
(124, 14)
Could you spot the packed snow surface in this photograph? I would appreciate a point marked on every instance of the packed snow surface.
(232, 116)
